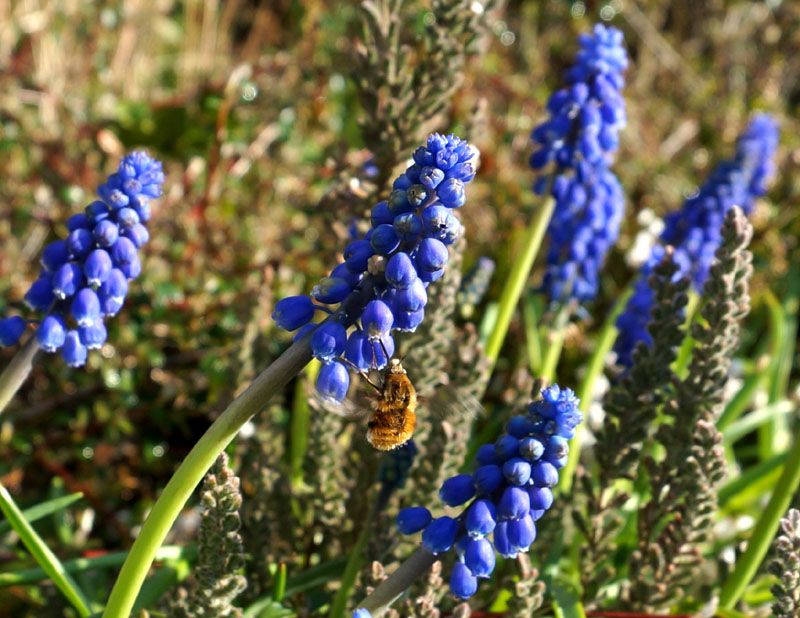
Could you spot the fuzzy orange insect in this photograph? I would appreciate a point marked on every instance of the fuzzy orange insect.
(394, 417)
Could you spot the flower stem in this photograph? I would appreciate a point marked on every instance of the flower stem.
(520, 270)
(555, 343)
(205, 452)
(17, 371)
(398, 582)
(763, 531)
(191, 472)
(605, 341)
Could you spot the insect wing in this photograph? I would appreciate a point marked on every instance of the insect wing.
(346, 409)
(447, 404)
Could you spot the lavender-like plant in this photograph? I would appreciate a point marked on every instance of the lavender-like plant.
(694, 230)
(404, 251)
(579, 142)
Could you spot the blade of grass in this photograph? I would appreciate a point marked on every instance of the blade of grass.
(81, 565)
(42, 510)
(763, 531)
(42, 554)
(354, 564)
(776, 435)
(307, 580)
(743, 398)
(164, 579)
(750, 481)
(756, 419)
(280, 583)
(729, 613)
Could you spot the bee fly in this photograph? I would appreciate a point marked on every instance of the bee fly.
(393, 417)
(392, 410)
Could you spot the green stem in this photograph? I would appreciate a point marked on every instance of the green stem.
(398, 582)
(520, 270)
(763, 531)
(605, 341)
(43, 555)
(532, 340)
(191, 472)
(17, 371)
(205, 453)
(555, 343)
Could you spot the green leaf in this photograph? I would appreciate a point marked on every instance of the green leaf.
(42, 510)
(81, 565)
(743, 398)
(566, 600)
(42, 554)
(729, 613)
(749, 486)
(280, 583)
(740, 428)
(269, 608)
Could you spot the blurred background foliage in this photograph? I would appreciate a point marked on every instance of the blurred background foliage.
(251, 106)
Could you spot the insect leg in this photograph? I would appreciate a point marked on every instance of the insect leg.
(385, 351)
(362, 373)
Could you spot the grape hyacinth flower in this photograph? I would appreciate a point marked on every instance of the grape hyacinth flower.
(577, 144)
(510, 489)
(694, 231)
(84, 277)
(403, 252)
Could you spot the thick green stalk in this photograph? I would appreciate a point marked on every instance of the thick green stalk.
(17, 371)
(191, 472)
(518, 277)
(41, 553)
(205, 453)
(763, 531)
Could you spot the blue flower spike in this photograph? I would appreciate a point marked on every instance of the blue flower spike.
(574, 148)
(403, 253)
(84, 277)
(504, 497)
(694, 231)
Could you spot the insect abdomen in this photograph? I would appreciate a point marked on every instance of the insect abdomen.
(390, 428)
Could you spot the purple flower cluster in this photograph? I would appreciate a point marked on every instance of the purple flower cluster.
(508, 492)
(84, 277)
(578, 142)
(694, 231)
(404, 251)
